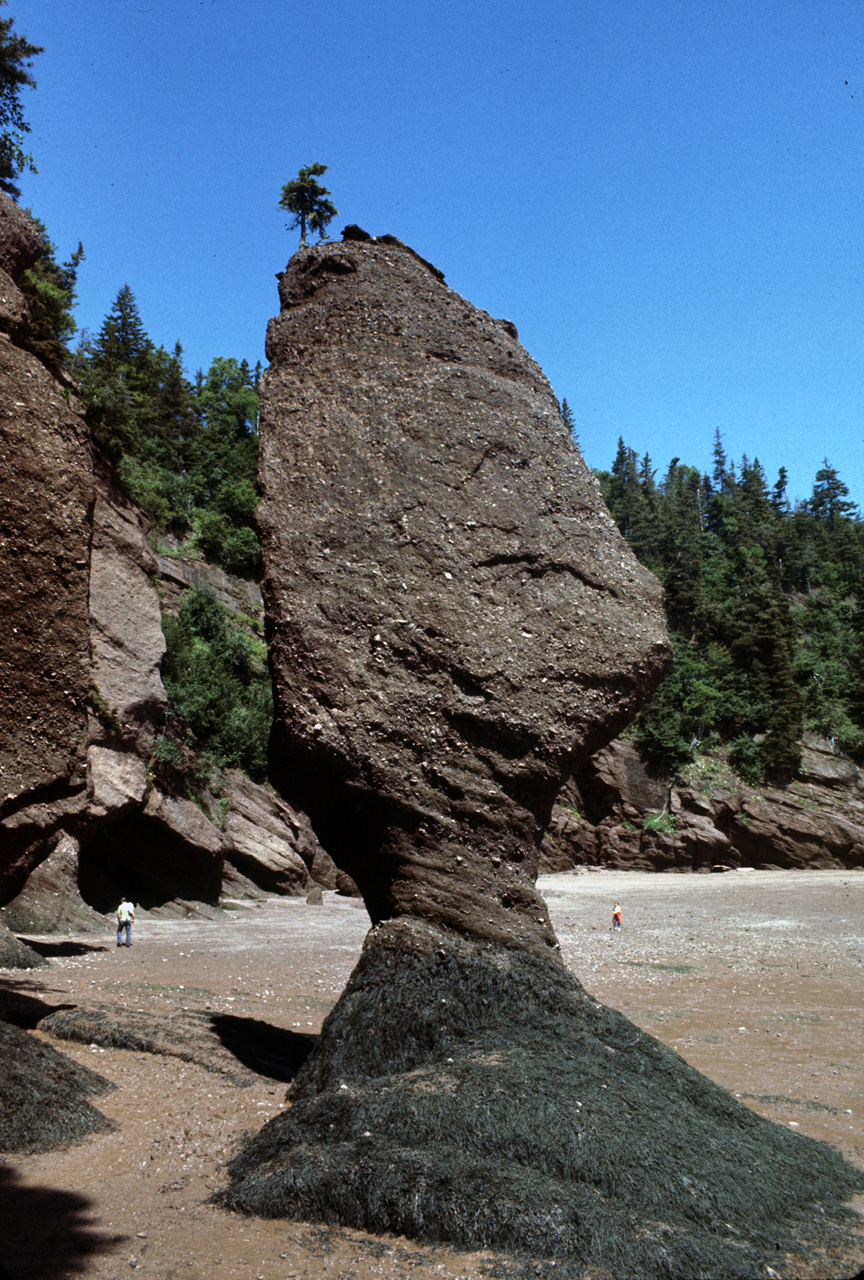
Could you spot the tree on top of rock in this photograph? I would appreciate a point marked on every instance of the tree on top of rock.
(15, 56)
(307, 200)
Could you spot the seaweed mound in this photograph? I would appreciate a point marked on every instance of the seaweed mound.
(514, 1111)
(233, 1047)
(17, 955)
(44, 1095)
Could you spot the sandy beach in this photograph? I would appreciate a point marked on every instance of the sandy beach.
(755, 978)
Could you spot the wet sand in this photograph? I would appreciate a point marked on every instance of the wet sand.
(756, 978)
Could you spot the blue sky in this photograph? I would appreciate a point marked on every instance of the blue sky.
(665, 197)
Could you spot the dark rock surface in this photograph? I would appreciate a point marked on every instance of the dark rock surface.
(454, 620)
(230, 1046)
(607, 814)
(17, 955)
(47, 497)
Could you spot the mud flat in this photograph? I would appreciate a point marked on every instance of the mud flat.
(755, 978)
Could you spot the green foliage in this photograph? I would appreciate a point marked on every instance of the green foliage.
(50, 292)
(187, 454)
(662, 822)
(765, 604)
(16, 54)
(307, 200)
(109, 715)
(218, 686)
(568, 420)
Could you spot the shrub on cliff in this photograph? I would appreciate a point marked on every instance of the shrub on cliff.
(218, 685)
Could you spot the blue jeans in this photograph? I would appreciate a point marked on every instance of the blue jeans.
(121, 925)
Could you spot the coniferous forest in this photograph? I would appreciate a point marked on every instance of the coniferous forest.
(765, 605)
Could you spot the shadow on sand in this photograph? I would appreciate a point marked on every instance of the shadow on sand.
(46, 1233)
(66, 947)
(23, 1010)
(267, 1050)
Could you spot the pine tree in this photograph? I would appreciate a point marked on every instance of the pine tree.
(16, 56)
(829, 501)
(49, 288)
(118, 375)
(307, 200)
(568, 419)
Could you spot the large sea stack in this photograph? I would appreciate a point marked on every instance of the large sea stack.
(455, 623)
(454, 619)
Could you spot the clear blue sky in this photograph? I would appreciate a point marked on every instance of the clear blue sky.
(665, 197)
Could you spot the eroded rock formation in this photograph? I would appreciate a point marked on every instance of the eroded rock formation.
(81, 696)
(607, 815)
(47, 489)
(454, 618)
(455, 624)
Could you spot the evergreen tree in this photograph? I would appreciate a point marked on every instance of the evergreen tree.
(116, 372)
(16, 56)
(829, 499)
(50, 292)
(307, 200)
(779, 501)
(568, 419)
(766, 608)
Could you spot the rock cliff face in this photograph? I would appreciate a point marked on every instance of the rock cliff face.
(48, 496)
(607, 815)
(454, 619)
(81, 697)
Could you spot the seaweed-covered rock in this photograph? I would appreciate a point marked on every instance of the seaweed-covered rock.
(482, 1097)
(17, 955)
(454, 619)
(233, 1047)
(44, 1095)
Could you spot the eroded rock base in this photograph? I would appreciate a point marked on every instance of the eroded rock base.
(481, 1097)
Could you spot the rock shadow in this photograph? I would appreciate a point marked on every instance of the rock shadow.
(24, 1010)
(267, 1050)
(66, 947)
(46, 1232)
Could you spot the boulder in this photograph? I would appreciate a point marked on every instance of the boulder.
(454, 619)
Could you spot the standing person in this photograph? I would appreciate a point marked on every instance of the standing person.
(616, 917)
(125, 916)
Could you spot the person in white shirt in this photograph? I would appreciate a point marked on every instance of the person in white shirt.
(125, 916)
